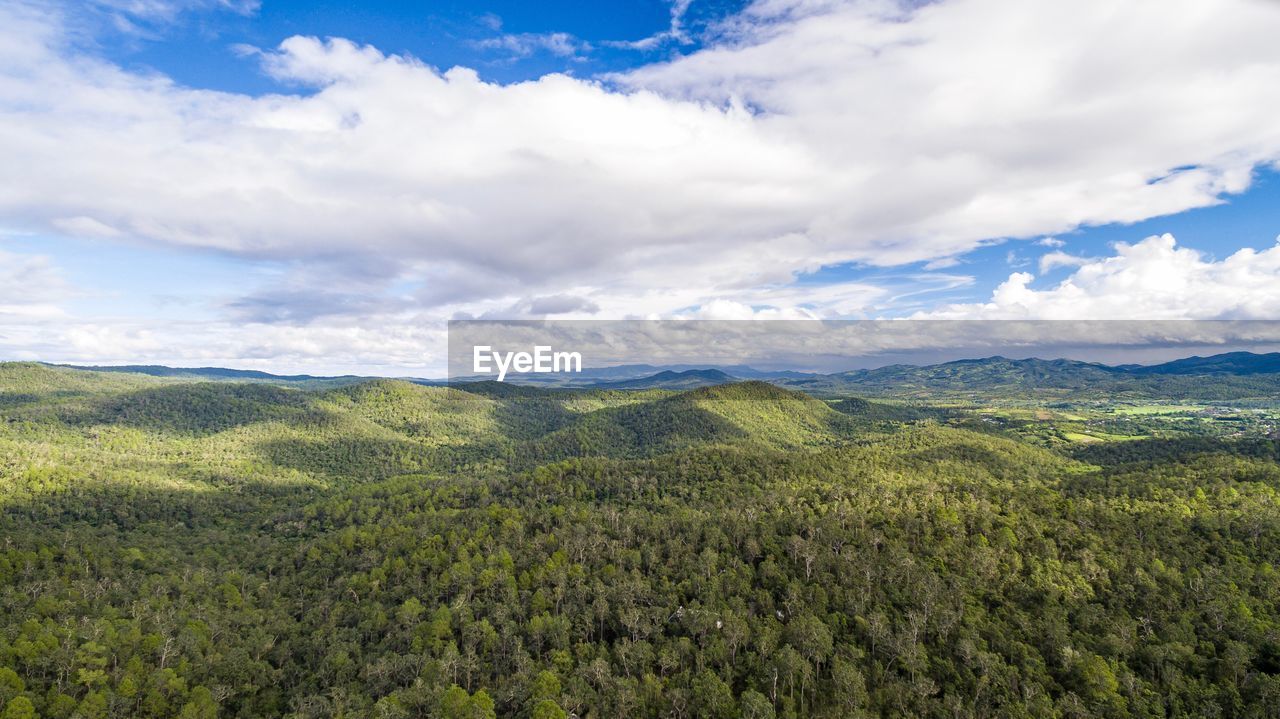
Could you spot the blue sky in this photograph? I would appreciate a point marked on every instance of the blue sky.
(319, 186)
(1248, 220)
(198, 48)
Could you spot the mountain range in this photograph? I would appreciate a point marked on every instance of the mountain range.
(1241, 373)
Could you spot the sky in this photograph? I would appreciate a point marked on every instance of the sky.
(319, 186)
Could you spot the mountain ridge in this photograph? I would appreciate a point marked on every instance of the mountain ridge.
(958, 374)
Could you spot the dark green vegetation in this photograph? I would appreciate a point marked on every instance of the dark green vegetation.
(382, 549)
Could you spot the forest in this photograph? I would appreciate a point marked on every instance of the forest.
(202, 548)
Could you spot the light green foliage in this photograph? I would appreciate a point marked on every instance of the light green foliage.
(19, 708)
(547, 709)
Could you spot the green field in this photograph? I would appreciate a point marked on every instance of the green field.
(1149, 409)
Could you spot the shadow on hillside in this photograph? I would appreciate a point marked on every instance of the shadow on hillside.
(632, 431)
(871, 411)
(195, 409)
(527, 413)
(120, 505)
(996, 464)
(14, 400)
(1178, 449)
(365, 459)
(534, 427)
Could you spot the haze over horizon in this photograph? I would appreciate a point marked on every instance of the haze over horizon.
(1114, 359)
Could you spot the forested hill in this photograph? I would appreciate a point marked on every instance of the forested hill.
(210, 373)
(176, 548)
(1223, 377)
(1229, 376)
(1242, 363)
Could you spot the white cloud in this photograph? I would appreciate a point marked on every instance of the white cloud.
(30, 289)
(133, 19)
(942, 263)
(729, 310)
(1053, 260)
(809, 133)
(168, 9)
(977, 118)
(382, 347)
(26, 279)
(521, 45)
(1050, 242)
(1152, 279)
(84, 227)
(916, 142)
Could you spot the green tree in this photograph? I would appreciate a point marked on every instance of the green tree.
(712, 696)
(11, 685)
(548, 709)
(19, 708)
(755, 705)
(200, 705)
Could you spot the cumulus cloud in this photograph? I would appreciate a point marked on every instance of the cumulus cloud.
(325, 346)
(804, 134)
(965, 119)
(933, 130)
(1151, 279)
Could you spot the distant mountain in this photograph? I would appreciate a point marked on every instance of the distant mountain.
(741, 371)
(218, 373)
(620, 372)
(1229, 376)
(965, 375)
(1235, 374)
(669, 379)
(597, 377)
(1238, 363)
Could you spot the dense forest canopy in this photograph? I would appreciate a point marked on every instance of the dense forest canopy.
(171, 546)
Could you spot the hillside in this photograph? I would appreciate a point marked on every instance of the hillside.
(754, 413)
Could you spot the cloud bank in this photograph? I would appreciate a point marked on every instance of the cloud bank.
(804, 134)
(1152, 279)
